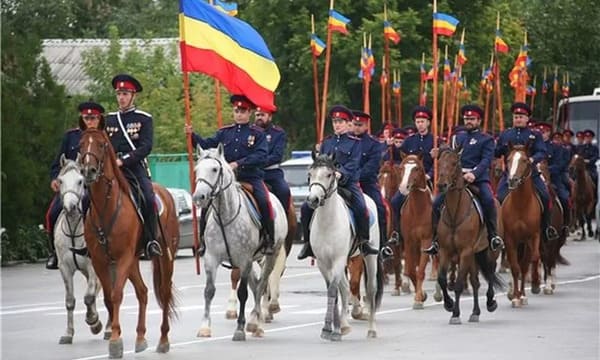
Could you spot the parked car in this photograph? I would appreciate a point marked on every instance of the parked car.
(296, 174)
(183, 203)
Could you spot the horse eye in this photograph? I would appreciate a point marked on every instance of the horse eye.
(214, 169)
(79, 182)
(328, 175)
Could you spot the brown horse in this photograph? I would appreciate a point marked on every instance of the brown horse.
(550, 250)
(521, 218)
(463, 240)
(415, 222)
(113, 232)
(584, 195)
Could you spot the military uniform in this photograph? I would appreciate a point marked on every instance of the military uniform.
(558, 166)
(246, 145)
(394, 152)
(274, 177)
(131, 134)
(589, 152)
(536, 152)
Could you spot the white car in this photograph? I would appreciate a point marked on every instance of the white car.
(183, 203)
(296, 174)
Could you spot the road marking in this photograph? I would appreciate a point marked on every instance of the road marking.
(299, 326)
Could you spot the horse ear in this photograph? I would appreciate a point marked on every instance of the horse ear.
(314, 153)
(331, 157)
(420, 155)
(198, 150)
(220, 150)
(403, 154)
(78, 159)
(63, 159)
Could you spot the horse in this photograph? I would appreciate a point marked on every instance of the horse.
(232, 235)
(550, 250)
(332, 241)
(415, 222)
(68, 234)
(463, 239)
(113, 232)
(521, 215)
(584, 197)
(388, 180)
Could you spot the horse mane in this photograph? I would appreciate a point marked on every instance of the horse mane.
(323, 160)
(112, 158)
(69, 165)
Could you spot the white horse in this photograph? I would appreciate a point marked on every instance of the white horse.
(232, 236)
(331, 239)
(68, 234)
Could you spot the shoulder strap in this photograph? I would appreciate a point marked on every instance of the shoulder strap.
(125, 134)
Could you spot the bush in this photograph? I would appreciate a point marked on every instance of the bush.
(30, 243)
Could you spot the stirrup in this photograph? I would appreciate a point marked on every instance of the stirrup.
(305, 252)
(551, 233)
(386, 253)
(433, 249)
(153, 249)
(366, 249)
(394, 238)
(52, 262)
(496, 243)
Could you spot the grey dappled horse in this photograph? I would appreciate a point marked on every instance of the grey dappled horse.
(331, 239)
(68, 234)
(232, 236)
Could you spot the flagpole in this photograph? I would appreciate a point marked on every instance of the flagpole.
(488, 91)
(386, 51)
(452, 97)
(367, 81)
(325, 78)
(383, 96)
(481, 86)
(497, 82)
(444, 92)
(435, 100)
(422, 82)
(544, 82)
(315, 82)
(554, 101)
(399, 100)
(532, 97)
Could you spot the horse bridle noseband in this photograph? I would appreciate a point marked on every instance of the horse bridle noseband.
(329, 191)
(218, 183)
(99, 161)
(520, 180)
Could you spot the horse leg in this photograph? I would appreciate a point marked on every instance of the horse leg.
(420, 294)
(344, 290)
(67, 275)
(141, 293)
(524, 263)
(355, 269)
(239, 334)
(461, 278)
(210, 268)
(410, 271)
(327, 323)
(435, 263)
(254, 323)
(231, 313)
(121, 272)
(163, 281)
(372, 267)
(102, 274)
(274, 281)
(589, 225)
(443, 282)
(515, 271)
(475, 284)
(91, 315)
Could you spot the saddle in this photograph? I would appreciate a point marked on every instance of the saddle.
(248, 190)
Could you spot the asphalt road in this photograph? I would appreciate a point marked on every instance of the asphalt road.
(559, 326)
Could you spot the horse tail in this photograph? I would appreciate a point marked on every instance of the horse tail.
(487, 268)
(380, 283)
(165, 292)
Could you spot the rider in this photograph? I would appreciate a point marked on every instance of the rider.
(347, 150)
(420, 142)
(131, 134)
(393, 150)
(519, 134)
(246, 150)
(277, 142)
(90, 116)
(589, 152)
(370, 161)
(558, 166)
(476, 158)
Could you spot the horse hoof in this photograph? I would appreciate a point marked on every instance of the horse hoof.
(141, 345)
(65, 340)
(492, 306)
(96, 328)
(535, 289)
(510, 295)
(424, 296)
(345, 330)
(515, 303)
(553, 286)
(268, 318)
(474, 318)
(406, 288)
(239, 335)
(437, 297)
(274, 308)
(454, 321)
(325, 334)
(204, 332)
(395, 292)
(231, 315)
(449, 305)
(115, 349)
(335, 336)
(259, 333)
(107, 335)
(418, 305)
(251, 327)
(548, 291)
(524, 300)
(371, 334)
(163, 348)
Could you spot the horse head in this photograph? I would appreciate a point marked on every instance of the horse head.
(322, 180)
(519, 166)
(388, 179)
(544, 170)
(576, 166)
(449, 170)
(412, 173)
(71, 183)
(213, 175)
(96, 150)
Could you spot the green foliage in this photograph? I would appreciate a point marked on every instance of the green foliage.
(29, 243)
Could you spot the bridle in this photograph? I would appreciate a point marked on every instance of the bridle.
(457, 173)
(99, 161)
(329, 190)
(217, 188)
(518, 181)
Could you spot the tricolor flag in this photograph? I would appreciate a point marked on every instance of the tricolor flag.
(396, 87)
(444, 24)
(565, 89)
(531, 91)
(423, 72)
(447, 70)
(337, 22)
(229, 8)
(544, 87)
(499, 43)
(390, 33)
(316, 45)
(462, 58)
(228, 49)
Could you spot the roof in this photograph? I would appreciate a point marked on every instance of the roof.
(66, 61)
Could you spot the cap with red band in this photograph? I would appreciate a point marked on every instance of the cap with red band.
(124, 82)
(422, 112)
(90, 108)
(340, 112)
(361, 116)
(241, 101)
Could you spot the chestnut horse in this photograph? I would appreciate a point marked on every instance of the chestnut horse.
(463, 240)
(415, 222)
(521, 218)
(113, 232)
(584, 197)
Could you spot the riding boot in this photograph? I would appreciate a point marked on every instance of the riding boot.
(202, 227)
(52, 262)
(495, 241)
(269, 237)
(152, 246)
(549, 230)
(306, 250)
(435, 246)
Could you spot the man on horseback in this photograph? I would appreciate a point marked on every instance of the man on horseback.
(347, 150)
(246, 150)
(131, 134)
(370, 162)
(520, 134)
(589, 152)
(90, 116)
(419, 142)
(476, 158)
(393, 151)
(276, 142)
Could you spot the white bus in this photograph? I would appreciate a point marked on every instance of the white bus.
(579, 113)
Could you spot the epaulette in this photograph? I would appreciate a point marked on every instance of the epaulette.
(72, 130)
(353, 137)
(257, 128)
(276, 128)
(227, 126)
(142, 112)
(113, 113)
(327, 137)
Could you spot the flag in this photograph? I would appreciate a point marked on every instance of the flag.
(544, 87)
(367, 64)
(390, 33)
(396, 87)
(565, 89)
(430, 74)
(423, 72)
(555, 85)
(447, 70)
(531, 91)
(499, 43)
(229, 8)
(462, 58)
(444, 24)
(383, 80)
(519, 67)
(228, 49)
(337, 22)
(316, 45)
